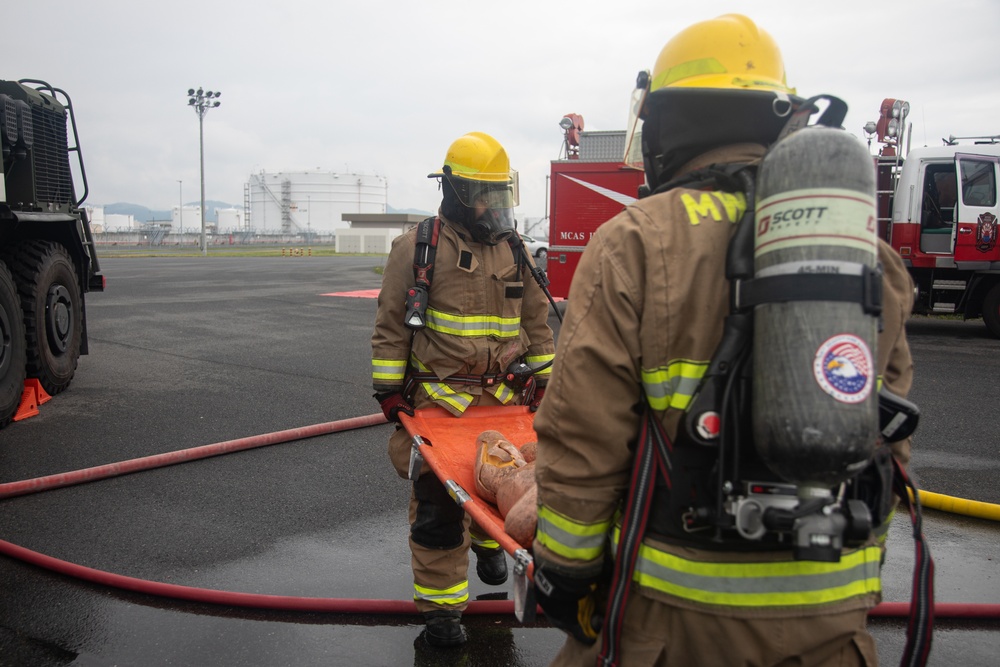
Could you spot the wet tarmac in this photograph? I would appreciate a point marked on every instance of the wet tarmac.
(188, 352)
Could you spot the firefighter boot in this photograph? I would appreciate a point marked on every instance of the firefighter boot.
(491, 566)
(444, 628)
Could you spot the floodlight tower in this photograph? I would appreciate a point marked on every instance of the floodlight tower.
(201, 101)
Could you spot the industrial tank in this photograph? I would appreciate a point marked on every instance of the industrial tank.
(310, 202)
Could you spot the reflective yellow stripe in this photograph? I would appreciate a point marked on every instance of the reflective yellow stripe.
(456, 594)
(673, 386)
(537, 360)
(473, 325)
(760, 584)
(439, 391)
(699, 67)
(882, 532)
(392, 370)
(569, 538)
(483, 542)
(503, 393)
(442, 392)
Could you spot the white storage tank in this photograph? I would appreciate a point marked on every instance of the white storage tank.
(311, 202)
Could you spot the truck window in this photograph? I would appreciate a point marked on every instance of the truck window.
(979, 186)
(938, 206)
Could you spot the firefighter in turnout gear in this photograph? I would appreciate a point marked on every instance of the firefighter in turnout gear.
(646, 314)
(457, 309)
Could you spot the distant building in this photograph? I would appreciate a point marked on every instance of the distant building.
(96, 216)
(229, 220)
(310, 202)
(374, 232)
(186, 220)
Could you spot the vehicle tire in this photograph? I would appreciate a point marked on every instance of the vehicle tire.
(991, 310)
(542, 253)
(53, 312)
(12, 347)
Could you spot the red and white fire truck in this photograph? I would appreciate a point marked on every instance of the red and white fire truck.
(939, 208)
(588, 187)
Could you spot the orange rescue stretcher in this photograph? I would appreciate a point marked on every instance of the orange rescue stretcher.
(448, 445)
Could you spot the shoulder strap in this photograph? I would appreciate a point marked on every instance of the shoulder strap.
(423, 272)
(423, 256)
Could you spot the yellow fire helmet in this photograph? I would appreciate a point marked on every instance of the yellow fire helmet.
(479, 188)
(477, 156)
(715, 82)
(726, 52)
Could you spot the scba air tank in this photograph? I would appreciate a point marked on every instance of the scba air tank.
(815, 411)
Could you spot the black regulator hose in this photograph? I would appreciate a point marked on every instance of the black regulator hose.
(524, 259)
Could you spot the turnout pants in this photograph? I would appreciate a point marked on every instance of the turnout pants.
(659, 634)
(441, 534)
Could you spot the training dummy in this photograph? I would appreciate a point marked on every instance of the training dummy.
(505, 477)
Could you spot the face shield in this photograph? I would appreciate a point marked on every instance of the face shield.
(490, 206)
(633, 135)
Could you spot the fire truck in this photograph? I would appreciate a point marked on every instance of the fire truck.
(939, 209)
(47, 259)
(588, 185)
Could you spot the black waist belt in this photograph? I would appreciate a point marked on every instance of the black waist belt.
(481, 380)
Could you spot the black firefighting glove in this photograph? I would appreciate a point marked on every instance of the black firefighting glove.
(569, 603)
(392, 404)
(536, 399)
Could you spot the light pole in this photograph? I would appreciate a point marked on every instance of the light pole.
(201, 101)
(180, 207)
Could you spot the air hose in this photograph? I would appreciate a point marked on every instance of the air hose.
(343, 605)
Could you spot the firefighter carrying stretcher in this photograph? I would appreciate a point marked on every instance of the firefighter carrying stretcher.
(647, 311)
(459, 323)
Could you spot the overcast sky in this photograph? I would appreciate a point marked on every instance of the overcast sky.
(384, 87)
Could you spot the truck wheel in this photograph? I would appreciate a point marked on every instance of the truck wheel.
(12, 347)
(991, 310)
(53, 312)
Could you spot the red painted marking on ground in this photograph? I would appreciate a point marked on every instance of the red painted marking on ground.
(357, 294)
(373, 294)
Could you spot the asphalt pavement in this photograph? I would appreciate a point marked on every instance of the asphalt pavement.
(187, 352)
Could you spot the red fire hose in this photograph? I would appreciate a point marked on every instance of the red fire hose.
(294, 603)
(254, 600)
(11, 489)
(363, 606)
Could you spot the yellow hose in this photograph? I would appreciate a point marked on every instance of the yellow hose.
(975, 508)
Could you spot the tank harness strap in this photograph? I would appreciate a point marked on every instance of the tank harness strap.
(652, 455)
(428, 231)
(865, 289)
(920, 628)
